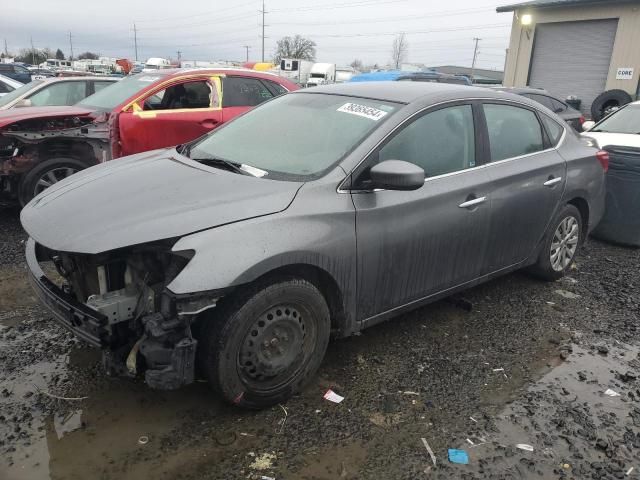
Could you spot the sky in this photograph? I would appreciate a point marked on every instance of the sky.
(438, 32)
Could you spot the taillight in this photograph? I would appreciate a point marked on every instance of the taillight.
(603, 158)
(582, 120)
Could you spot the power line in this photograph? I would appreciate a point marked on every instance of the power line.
(361, 3)
(414, 32)
(198, 15)
(391, 19)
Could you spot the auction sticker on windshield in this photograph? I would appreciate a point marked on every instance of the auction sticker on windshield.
(362, 111)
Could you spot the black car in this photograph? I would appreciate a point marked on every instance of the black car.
(570, 115)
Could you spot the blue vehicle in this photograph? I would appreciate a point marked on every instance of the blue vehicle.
(15, 71)
(425, 76)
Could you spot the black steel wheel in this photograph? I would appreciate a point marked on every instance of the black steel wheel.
(263, 344)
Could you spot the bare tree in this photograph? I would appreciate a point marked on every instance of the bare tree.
(399, 50)
(357, 65)
(295, 47)
(88, 56)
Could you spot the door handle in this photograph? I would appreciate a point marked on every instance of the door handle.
(209, 123)
(473, 203)
(552, 181)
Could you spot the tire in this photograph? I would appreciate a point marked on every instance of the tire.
(262, 345)
(606, 101)
(554, 261)
(54, 168)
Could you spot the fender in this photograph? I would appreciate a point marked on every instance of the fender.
(308, 233)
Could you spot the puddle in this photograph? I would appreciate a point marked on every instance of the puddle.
(571, 424)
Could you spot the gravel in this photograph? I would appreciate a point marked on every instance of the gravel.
(509, 362)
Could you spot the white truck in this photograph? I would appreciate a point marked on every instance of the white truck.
(295, 70)
(322, 74)
(155, 63)
(344, 74)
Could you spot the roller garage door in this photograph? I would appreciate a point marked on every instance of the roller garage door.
(573, 58)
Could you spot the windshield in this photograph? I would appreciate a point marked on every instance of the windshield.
(625, 120)
(295, 136)
(115, 94)
(18, 92)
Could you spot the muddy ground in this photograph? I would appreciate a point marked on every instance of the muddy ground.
(528, 364)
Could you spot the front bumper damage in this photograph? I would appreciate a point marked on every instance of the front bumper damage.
(139, 327)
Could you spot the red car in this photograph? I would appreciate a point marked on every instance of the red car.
(41, 146)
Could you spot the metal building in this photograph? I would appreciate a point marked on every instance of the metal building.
(575, 47)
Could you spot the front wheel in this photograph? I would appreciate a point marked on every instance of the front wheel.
(560, 245)
(264, 343)
(46, 174)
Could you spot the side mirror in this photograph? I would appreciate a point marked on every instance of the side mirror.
(397, 175)
(588, 125)
(25, 102)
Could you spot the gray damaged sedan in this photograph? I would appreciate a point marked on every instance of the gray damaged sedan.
(324, 211)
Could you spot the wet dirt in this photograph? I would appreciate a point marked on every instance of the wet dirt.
(522, 367)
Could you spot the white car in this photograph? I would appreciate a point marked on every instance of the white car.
(8, 85)
(621, 128)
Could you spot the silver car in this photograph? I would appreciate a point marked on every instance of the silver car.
(54, 91)
(327, 210)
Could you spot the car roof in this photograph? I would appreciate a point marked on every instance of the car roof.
(540, 91)
(181, 71)
(77, 79)
(410, 92)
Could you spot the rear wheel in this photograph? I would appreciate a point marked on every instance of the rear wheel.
(263, 344)
(46, 174)
(560, 245)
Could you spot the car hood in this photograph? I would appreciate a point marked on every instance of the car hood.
(147, 197)
(7, 117)
(621, 139)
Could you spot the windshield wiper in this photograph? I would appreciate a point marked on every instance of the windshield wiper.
(221, 163)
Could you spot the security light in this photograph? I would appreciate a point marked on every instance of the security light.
(526, 19)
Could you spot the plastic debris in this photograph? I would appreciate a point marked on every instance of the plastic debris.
(611, 393)
(143, 440)
(629, 471)
(473, 420)
(333, 396)
(524, 446)
(566, 294)
(458, 456)
(410, 393)
(263, 461)
(264, 477)
(498, 369)
(429, 451)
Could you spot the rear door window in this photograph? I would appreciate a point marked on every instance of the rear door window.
(513, 131)
(276, 88)
(243, 92)
(97, 86)
(554, 130)
(59, 93)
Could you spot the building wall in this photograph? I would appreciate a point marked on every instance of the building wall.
(626, 49)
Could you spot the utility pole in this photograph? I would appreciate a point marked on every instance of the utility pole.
(475, 57)
(135, 40)
(71, 46)
(6, 50)
(263, 12)
(33, 52)
(179, 52)
(247, 47)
